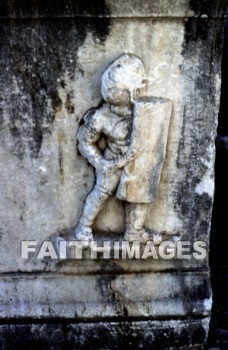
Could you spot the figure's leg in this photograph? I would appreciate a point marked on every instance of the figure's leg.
(135, 219)
(93, 205)
(105, 186)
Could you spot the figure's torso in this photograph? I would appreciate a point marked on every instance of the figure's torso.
(117, 130)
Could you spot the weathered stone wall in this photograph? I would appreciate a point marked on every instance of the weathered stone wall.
(51, 70)
(51, 61)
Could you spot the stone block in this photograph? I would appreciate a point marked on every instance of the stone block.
(52, 58)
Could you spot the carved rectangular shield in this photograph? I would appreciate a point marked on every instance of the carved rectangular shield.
(140, 178)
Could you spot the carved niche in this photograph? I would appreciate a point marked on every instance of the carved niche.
(125, 141)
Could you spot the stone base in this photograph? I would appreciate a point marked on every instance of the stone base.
(166, 334)
(150, 310)
(103, 297)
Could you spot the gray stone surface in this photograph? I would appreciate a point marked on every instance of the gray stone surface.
(51, 72)
(51, 61)
(148, 295)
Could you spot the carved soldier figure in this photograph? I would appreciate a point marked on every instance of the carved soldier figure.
(105, 140)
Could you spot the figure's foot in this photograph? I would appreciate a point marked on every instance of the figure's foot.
(137, 235)
(56, 241)
(83, 233)
(156, 238)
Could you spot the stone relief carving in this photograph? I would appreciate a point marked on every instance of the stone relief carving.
(125, 141)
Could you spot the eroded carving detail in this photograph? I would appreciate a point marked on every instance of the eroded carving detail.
(125, 141)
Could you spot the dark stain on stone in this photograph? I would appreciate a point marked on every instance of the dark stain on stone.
(198, 335)
(52, 8)
(196, 29)
(195, 207)
(203, 227)
(199, 292)
(111, 295)
(62, 84)
(99, 28)
(61, 169)
(88, 7)
(125, 311)
(65, 334)
(203, 39)
(55, 100)
(69, 105)
(104, 283)
(208, 7)
(34, 55)
(194, 294)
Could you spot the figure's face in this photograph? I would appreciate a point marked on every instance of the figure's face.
(118, 97)
(121, 79)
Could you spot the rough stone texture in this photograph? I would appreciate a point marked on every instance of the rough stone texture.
(52, 57)
(106, 296)
(53, 76)
(105, 335)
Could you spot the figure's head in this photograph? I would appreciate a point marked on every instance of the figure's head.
(121, 78)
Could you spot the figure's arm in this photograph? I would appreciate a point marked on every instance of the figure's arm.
(88, 136)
